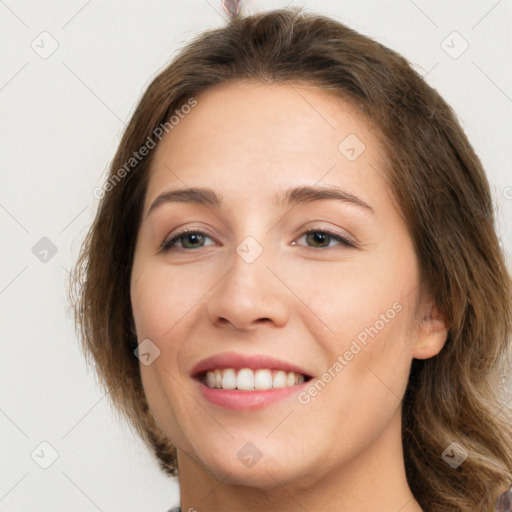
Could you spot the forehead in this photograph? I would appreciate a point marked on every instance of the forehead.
(256, 137)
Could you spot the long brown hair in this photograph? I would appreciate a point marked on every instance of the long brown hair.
(460, 395)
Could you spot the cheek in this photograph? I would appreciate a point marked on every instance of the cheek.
(165, 400)
(349, 297)
(161, 299)
(367, 372)
(367, 306)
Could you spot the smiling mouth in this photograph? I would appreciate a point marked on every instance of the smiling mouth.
(246, 379)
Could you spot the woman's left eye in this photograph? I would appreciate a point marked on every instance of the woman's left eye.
(322, 238)
(190, 239)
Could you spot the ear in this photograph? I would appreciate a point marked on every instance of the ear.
(432, 331)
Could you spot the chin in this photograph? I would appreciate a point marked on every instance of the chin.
(242, 463)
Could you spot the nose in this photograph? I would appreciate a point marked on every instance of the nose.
(250, 294)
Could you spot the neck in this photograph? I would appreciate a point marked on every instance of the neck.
(373, 480)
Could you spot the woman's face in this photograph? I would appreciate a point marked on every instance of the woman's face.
(250, 289)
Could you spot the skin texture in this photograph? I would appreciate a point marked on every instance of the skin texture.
(302, 300)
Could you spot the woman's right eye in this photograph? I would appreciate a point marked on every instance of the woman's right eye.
(188, 239)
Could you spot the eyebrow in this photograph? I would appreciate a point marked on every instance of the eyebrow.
(296, 195)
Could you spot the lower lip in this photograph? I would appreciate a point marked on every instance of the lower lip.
(244, 400)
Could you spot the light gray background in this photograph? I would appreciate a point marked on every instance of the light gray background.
(61, 119)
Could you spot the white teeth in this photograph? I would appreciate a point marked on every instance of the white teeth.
(229, 379)
(263, 379)
(218, 378)
(210, 379)
(279, 380)
(248, 380)
(245, 379)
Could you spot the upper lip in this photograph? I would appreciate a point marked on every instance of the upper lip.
(252, 361)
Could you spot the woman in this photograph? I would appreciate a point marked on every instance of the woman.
(293, 286)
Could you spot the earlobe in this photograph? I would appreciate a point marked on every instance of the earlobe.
(432, 333)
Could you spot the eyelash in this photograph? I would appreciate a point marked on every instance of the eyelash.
(168, 244)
